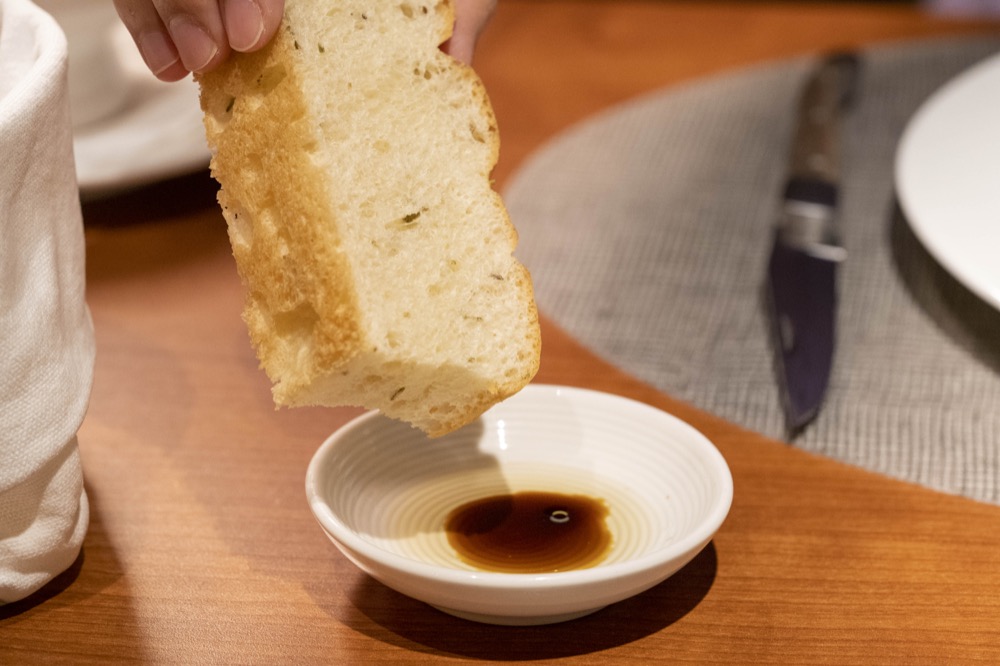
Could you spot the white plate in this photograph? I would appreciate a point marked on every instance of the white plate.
(948, 177)
(157, 135)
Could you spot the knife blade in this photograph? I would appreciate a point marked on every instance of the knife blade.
(806, 250)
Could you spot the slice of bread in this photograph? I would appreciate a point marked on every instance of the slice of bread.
(354, 158)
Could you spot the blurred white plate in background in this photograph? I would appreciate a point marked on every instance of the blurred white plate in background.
(157, 135)
(948, 177)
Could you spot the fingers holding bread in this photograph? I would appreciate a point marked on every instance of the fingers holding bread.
(471, 17)
(176, 37)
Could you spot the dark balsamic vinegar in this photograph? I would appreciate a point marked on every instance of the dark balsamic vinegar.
(530, 532)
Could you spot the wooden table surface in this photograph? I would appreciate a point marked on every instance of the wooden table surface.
(201, 548)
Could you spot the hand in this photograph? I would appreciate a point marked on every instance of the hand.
(180, 36)
(471, 16)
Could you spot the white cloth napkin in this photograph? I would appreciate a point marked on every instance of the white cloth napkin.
(46, 336)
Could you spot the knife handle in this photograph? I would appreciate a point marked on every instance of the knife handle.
(816, 153)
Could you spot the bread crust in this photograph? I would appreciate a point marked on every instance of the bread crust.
(274, 201)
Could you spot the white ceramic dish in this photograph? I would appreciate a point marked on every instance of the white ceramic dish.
(382, 491)
(948, 177)
(157, 134)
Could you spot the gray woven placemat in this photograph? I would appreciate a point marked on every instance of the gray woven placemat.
(647, 230)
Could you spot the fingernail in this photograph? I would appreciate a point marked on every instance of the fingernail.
(195, 46)
(157, 51)
(244, 23)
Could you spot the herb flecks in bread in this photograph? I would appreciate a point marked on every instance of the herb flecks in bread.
(355, 158)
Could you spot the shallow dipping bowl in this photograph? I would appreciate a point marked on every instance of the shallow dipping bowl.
(382, 492)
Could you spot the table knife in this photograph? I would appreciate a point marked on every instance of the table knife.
(802, 270)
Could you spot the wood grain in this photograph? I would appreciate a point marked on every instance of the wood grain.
(202, 550)
(550, 63)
